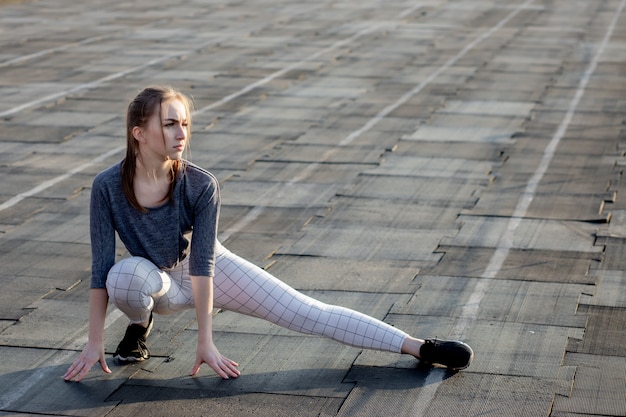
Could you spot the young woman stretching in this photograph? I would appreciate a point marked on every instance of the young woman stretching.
(153, 199)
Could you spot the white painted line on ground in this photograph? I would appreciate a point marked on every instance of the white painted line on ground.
(94, 84)
(24, 58)
(470, 310)
(505, 244)
(47, 184)
(309, 169)
(11, 202)
(288, 68)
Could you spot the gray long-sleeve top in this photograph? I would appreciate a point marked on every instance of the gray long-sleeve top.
(159, 234)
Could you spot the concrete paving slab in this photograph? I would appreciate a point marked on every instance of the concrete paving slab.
(607, 290)
(498, 394)
(275, 221)
(617, 228)
(38, 332)
(227, 150)
(414, 166)
(518, 301)
(488, 108)
(256, 248)
(523, 264)
(14, 216)
(605, 334)
(247, 125)
(461, 134)
(286, 195)
(23, 258)
(370, 244)
(563, 182)
(506, 123)
(399, 214)
(42, 134)
(586, 208)
(27, 179)
(534, 234)
(613, 250)
(65, 118)
(324, 135)
(50, 226)
(419, 72)
(35, 376)
(287, 152)
(481, 151)
(304, 368)
(377, 390)
(308, 273)
(512, 62)
(28, 289)
(200, 402)
(432, 192)
(506, 91)
(588, 397)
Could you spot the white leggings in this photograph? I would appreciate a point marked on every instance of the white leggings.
(136, 286)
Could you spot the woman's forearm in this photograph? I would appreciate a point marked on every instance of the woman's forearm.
(206, 351)
(98, 301)
(203, 298)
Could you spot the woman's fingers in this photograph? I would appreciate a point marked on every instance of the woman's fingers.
(232, 368)
(104, 365)
(196, 368)
(223, 367)
(83, 364)
(78, 370)
(70, 373)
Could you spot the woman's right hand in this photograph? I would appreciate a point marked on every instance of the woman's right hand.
(91, 354)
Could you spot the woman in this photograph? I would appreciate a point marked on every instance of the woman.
(153, 199)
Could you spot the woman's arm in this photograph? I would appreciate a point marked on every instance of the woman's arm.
(206, 351)
(94, 350)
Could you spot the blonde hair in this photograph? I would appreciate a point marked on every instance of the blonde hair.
(140, 110)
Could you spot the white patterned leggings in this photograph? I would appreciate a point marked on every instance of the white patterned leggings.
(136, 286)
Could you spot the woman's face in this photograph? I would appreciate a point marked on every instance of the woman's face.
(165, 135)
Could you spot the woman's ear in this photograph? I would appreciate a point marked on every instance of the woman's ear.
(138, 134)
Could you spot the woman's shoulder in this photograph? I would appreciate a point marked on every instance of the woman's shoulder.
(109, 175)
(198, 175)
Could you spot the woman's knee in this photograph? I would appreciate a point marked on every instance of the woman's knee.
(135, 274)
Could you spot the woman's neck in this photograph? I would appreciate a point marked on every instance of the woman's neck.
(152, 183)
(153, 170)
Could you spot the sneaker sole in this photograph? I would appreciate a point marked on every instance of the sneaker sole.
(129, 358)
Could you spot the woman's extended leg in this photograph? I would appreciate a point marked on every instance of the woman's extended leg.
(138, 288)
(243, 287)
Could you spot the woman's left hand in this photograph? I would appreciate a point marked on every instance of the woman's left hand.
(208, 353)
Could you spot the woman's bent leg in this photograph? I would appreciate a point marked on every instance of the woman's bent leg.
(245, 288)
(137, 287)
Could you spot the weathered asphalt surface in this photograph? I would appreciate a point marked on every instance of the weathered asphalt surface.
(451, 167)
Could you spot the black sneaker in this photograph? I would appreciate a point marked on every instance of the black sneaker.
(452, 354)
(133, 347)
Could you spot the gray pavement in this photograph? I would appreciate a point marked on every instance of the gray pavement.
(453, 168)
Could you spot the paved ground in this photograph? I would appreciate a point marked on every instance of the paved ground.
(451, 167)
